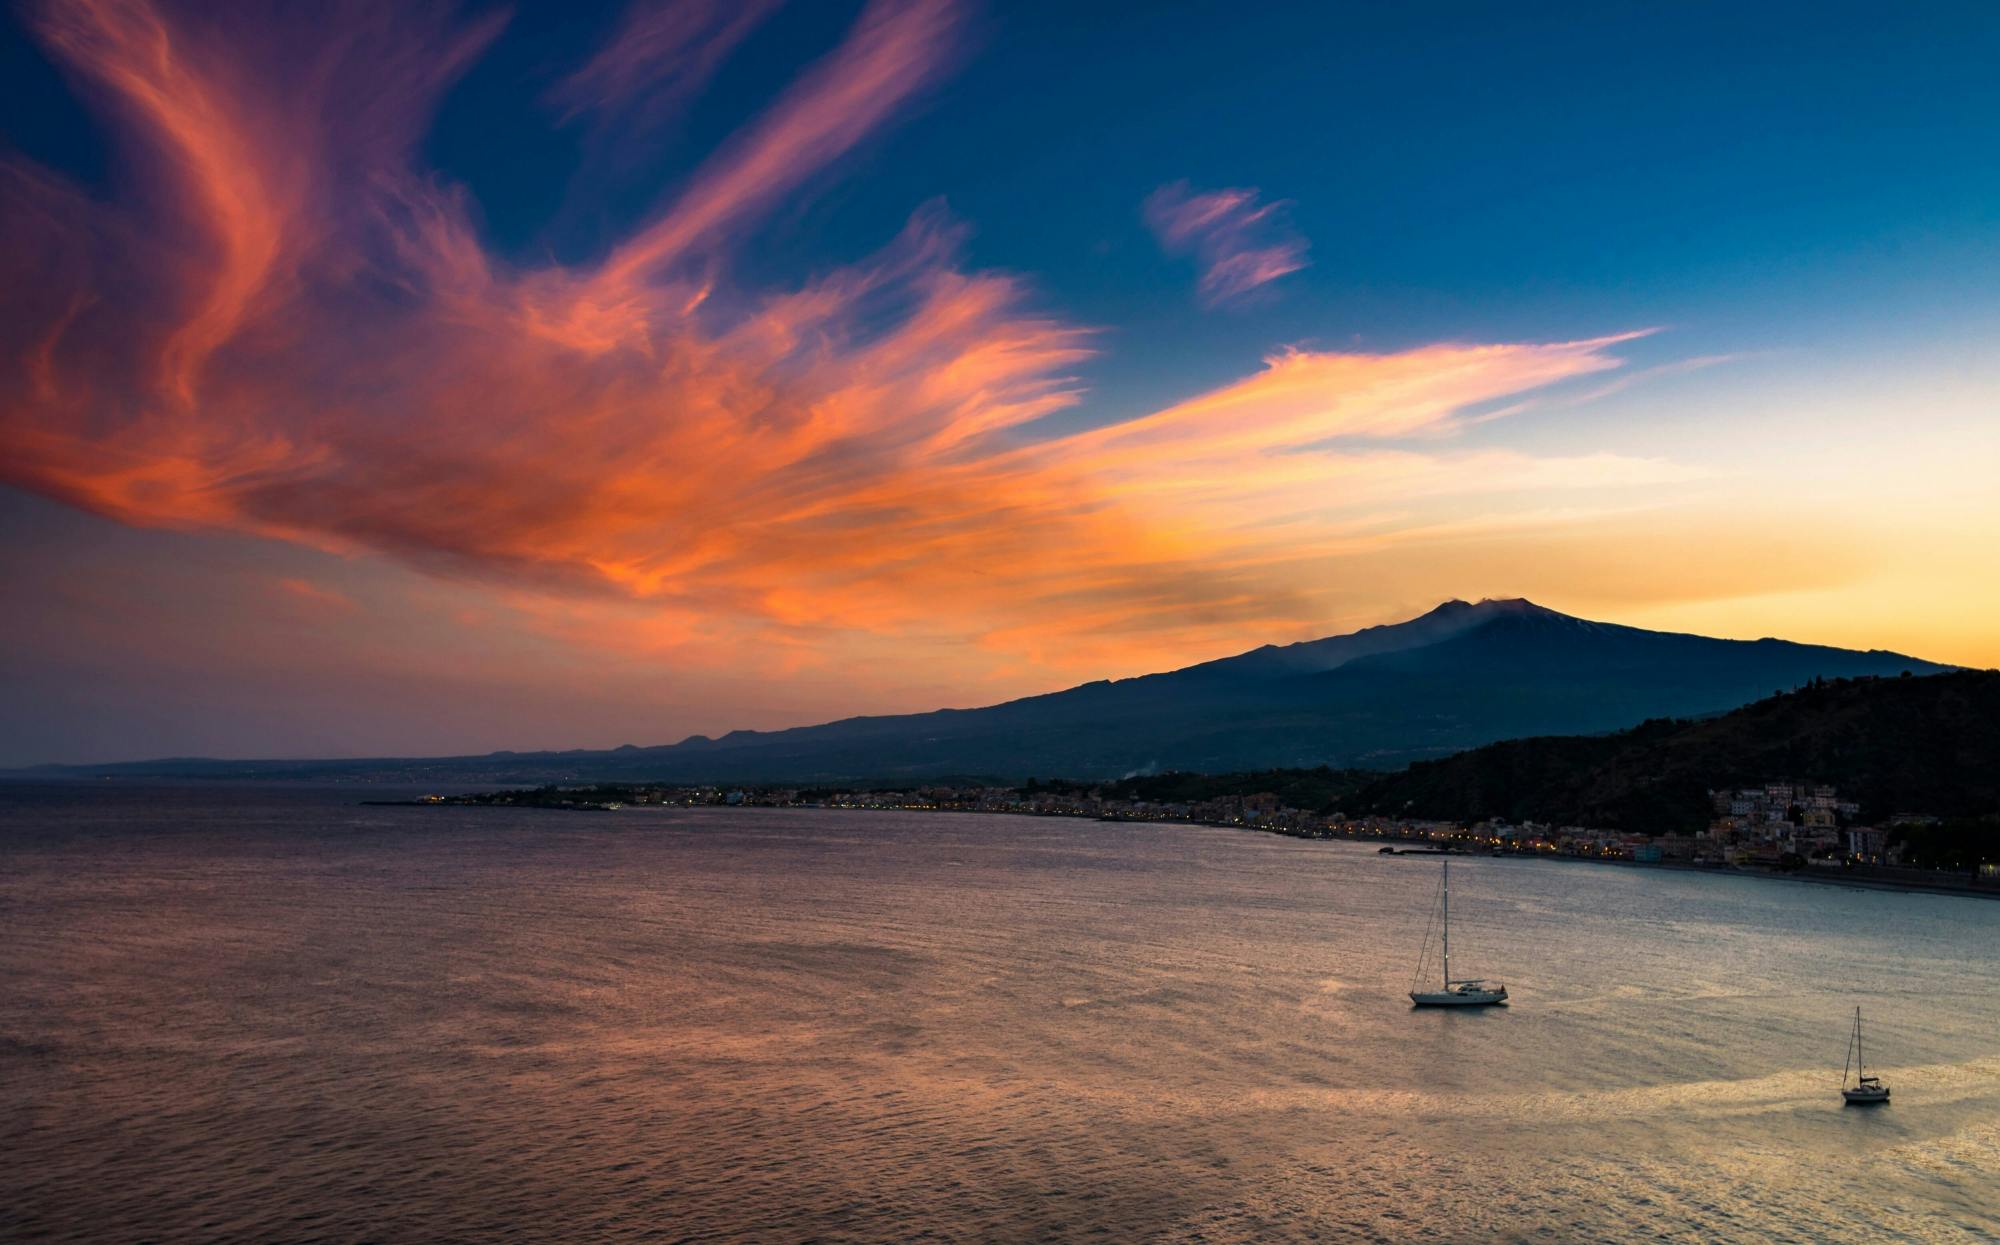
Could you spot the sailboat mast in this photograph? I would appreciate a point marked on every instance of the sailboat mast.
(1447, 932)
(1859, 1069)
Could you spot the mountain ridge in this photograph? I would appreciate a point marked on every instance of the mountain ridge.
(1458, 676)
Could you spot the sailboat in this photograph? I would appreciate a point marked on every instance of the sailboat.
(1465, 992)
(1866, 1090)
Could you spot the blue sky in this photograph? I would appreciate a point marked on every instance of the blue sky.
(1463, 170)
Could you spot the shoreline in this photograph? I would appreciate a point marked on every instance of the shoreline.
(1810, 876)
(1807, 875)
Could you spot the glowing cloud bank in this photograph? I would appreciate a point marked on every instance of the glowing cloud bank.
(291, 330)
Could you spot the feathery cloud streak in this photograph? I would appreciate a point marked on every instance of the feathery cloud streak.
(1238, 243)
(296, 332)
(662, 55)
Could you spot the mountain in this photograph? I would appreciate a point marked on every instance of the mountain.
(1457, 677)
(1928, 745)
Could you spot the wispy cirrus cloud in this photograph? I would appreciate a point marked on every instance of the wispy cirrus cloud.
(1239, 244)
(663, 53)
(295, 331)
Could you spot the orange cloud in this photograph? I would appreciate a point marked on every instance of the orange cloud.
(1238, 243)
(894, 49)
(294, 332)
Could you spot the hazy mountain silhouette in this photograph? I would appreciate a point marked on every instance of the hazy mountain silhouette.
(1457, 677)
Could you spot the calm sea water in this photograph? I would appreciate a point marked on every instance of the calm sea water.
(273, 1015)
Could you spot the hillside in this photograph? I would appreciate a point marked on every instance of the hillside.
(1929, 745)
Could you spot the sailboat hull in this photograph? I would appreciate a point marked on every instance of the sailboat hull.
(1457, 998)
(1866, 1097)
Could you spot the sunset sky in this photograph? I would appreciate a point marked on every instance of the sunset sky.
(404, 378)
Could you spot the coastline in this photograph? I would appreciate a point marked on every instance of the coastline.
(1967, 887)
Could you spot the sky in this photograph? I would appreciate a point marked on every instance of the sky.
(408, 378)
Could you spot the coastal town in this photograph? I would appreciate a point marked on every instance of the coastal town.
(1779, 826)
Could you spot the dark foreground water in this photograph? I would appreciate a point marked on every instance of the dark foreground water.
(272, 1015)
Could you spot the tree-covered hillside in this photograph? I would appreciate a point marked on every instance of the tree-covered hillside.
(1920, 745)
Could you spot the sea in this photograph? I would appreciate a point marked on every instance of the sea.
(273, 1014)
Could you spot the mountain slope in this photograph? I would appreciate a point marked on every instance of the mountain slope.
(1918, 745)
(1457, 677)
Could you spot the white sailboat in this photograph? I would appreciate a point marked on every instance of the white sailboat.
(1866, 1090)
(1465, 992)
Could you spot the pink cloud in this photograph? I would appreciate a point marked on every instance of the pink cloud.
(1239, 244)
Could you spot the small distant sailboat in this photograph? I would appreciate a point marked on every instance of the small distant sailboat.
(1467, 992)
(1866, 1090)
